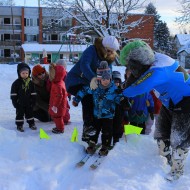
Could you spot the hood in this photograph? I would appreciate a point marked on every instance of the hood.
(22, 65)
(56, 73)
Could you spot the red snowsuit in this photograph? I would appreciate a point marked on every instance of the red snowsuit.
(58, 97)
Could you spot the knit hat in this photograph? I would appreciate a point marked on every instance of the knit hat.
(37, 69)
(24, 69)
(110, 42)
(61, 62)
(116, 75)
(103, 71)
(137, 50)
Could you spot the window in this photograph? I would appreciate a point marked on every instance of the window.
(7, 21)
(31, 38)
(17, 21)
(7, 52)
(7, 37)
(31, 22)
(54, 37)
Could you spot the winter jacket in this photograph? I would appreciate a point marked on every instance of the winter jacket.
(169, 81)
(85, 69)
(104, 100)
(141, 105)
(23, 91)
(43, 95)
(58, 94)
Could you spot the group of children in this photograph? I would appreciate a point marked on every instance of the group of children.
(23, 96)
(111, 109)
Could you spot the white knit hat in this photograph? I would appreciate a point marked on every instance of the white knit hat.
(110, 42)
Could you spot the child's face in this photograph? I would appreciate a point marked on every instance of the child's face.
(24, 74)
(116, 82)
(105, 82)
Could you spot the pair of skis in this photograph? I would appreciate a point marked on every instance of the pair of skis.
(95, 164)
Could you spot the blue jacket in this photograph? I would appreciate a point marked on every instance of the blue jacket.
(141, 105)
(85, 69)
(104, 100)
(171, 86)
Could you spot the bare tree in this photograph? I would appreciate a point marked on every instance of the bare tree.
(185, 13)
(103, 17)
(7, 2)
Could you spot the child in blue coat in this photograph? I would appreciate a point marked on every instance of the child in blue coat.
(105, 98)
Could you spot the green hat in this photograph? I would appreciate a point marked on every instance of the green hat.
(137, 50)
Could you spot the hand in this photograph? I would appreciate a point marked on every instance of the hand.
(94, 83)
(152, 116)
(75, 104)
(54, 109)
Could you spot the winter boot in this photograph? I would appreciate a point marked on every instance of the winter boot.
(178, 157)
(20, 128)
(32, 126)
(88, 131)
(103, 151)
(57, 131)
(165, 150)
(91, 147)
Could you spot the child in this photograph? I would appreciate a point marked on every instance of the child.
(63, 63)
(40, 78)
(119, 111)
(141, 106)
(23, 97)
(58, 97)
(105, 98)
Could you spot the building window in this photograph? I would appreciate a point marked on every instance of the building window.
(54, 37)
(7, 37)
(31, 22)
(31, 38)
(7, 21)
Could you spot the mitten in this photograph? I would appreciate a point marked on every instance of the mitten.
(75, 104)
(54, 109)
(124, 102)
(94, 83)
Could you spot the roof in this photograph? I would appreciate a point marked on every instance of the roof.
(54, 48)
(185, 48)
(183, 38)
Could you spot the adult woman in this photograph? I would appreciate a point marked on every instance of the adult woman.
(84, 73)
(40, 78)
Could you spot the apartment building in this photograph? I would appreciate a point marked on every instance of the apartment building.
(36, 25)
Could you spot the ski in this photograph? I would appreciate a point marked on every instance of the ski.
(83, 161)
(97, 162)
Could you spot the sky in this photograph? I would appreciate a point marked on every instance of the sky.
(30, 163)
(167, 9)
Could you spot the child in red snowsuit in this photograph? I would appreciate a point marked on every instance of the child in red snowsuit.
(58, 97)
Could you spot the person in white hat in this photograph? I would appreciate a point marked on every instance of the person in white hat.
(84, 72)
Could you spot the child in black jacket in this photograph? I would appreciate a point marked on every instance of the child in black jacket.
(23, 97)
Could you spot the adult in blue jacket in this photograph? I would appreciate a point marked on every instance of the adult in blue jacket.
(84, 73)
(171, 84)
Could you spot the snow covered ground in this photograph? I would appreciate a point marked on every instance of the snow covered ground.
(30, 163)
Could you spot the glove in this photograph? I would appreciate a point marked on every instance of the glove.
(152, 116)
(124, 102)
(75, 104)
(54, 109)
(94, 83)
(118, 90)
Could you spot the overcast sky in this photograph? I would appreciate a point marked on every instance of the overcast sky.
(167, 9)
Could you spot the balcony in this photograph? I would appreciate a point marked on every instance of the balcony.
(9, 27)
(10, 43)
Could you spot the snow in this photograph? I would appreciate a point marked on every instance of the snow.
(30, 163)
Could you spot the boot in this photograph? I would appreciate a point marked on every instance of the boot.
(88, 131)
(178, 157)
(32, 126)
(165, 150)
(91, 147)
(103, 151)
(20, 128)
